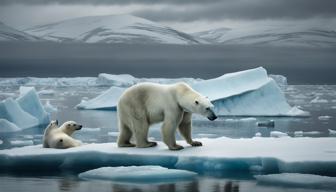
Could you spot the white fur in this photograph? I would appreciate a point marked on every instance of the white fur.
(60, 137)
(147, 103)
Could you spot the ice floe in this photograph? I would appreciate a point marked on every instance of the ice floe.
(298, 180)
(49, 107)
(24, 112)
(324, 117)
(318, 100)
(249, 92)
(218, 155)
(138, 174)
(278, 134)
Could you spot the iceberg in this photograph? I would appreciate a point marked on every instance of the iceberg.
(30, 102)
(245, 93)
(138, 174)
(216, 156)
(122, 80)
(24, 112)
(298, 180)
(7, 127)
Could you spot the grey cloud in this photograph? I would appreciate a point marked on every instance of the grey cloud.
(104, 2)
(247, 9)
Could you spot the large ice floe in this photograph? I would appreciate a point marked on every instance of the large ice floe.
(24, 112)
(216, 156)
(138, 174)
(245, 93)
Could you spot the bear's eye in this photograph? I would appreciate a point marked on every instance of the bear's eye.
(73, 124)
(196, 102)
(208, 108)
(61, 140)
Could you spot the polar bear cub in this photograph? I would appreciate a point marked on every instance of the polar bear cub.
(145, 104)
(60, 137)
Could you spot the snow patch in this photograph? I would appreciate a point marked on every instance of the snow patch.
(138, 174)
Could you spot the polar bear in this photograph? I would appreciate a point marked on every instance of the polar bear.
(147, 103)
(60, 137)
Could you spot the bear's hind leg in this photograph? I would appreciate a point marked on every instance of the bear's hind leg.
(124, 136)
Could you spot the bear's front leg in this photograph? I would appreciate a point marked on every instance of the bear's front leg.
(185, 130)
(168, 134)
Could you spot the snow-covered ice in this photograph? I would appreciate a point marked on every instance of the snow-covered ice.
(249, 92)
(24, 112)
(138, 174)
(271, 155)
(122, 80)
(298, 180)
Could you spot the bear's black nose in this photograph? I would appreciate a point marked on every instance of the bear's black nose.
(212, 117)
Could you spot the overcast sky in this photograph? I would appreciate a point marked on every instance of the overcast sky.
(185, 15)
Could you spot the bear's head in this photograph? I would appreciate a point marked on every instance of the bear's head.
(53, 124)
(70, 127)
(193, 102)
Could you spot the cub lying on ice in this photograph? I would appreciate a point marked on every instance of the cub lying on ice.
(60, 137)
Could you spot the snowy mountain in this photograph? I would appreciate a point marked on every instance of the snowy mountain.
(276, 35)
(212, 36)
(111, 29)
(10, 34)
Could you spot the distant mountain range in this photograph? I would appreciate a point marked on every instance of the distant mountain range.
(132, 29)
(10, 34)
(112, 29)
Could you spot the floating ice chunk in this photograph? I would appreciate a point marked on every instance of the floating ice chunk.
(138, 174)
(122, 80)
(1, 142)
(6, 126)
(30, 102)
(318, 100)
(21, 143)
(46, 92)
(107, 100)
(258, 134)
(12, 112)
(113, 134)
(324, 118)
(298, 180)
(307, 133)
(278, 134)
(332, 132)
(49, 108)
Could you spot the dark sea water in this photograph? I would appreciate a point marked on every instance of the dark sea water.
(299, 64)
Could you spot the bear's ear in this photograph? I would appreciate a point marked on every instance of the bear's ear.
(56, 122)
(196, 102)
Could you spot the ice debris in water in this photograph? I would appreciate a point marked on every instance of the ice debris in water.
(138, 174)
(324, 118)
(49, 107)
(278, 134)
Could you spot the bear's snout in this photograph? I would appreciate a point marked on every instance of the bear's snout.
(79, 127)
(212, 116)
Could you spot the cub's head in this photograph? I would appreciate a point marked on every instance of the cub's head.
(53, 124)
(70, 126)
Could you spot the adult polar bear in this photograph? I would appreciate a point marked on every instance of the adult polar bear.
(147, 103)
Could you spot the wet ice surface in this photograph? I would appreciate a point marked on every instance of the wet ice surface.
(101, 126)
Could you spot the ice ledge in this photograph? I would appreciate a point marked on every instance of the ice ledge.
(220, 155)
